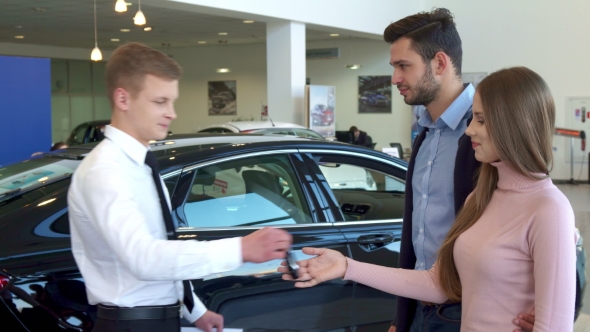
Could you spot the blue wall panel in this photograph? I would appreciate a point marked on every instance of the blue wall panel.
(25, 108)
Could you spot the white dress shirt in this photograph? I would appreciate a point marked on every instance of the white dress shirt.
(119, 236)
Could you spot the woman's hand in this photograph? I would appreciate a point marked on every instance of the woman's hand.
(327, 265)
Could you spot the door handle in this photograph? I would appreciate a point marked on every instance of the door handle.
(375, 239)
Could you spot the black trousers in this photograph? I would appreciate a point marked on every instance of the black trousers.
(143, 325)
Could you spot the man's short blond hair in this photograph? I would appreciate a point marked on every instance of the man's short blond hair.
(130, 63)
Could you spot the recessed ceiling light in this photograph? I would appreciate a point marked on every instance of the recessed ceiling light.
(114, 39)
(334, 35)
(147, 29)
(201, 42)
(125, 30)
(248, 21)
(222, 33)
(223, 70)
(19, 37)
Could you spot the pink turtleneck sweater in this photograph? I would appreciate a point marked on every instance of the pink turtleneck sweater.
(518, 256)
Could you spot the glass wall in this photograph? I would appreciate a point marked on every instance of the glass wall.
(78, 94)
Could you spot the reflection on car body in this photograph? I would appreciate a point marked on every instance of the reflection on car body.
(221, 186)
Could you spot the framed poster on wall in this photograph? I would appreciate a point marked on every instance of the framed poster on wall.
(374, 94)
(222, 98)
(321, 109)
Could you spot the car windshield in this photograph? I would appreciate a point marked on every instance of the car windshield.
(33, 172)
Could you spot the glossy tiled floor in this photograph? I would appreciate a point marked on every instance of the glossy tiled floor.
(579, 197)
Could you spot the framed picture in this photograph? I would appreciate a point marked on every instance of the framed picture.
(222, 98)
(321, 109)
(374, 94)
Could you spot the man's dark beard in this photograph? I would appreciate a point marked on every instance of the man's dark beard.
(425, 90)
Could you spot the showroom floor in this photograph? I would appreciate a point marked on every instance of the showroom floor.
(579, 196)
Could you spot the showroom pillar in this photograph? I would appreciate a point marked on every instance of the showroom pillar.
(285, 71)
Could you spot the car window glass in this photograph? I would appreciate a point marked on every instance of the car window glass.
(170, 183)
(308, 133)
(363, 193)
(287, 132)
(215, 130)
(79, 134)
(246, 192)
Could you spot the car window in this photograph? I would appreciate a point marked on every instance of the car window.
(308, 133)
(287, 132)
(96, 133)
(215, 130)
(363, 193)
(246, 192)
(79, 134)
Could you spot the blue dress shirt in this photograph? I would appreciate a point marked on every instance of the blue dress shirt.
(432, 183)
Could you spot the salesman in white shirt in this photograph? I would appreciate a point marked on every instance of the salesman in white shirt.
(118, 229)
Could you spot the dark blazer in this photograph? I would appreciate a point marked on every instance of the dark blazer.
(465, 176)
(362, 139)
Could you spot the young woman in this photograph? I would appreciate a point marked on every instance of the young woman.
(512, 246)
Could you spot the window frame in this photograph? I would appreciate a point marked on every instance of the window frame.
(178, 198)
(372, 162)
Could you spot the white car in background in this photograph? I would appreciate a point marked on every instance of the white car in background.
(263, 128)
(338, 176)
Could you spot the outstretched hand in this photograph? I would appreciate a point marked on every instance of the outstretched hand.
(266, 244)
(327, 265)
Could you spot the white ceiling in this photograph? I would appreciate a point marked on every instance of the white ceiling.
(69, 23)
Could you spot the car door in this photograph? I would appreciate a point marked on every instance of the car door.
(236, 195)
(368, 194)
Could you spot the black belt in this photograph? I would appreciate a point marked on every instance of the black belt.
(136, 313)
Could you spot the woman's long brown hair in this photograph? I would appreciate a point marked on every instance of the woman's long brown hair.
(519, 114)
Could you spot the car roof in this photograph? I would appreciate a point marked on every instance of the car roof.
(178, 150)
(251, 125)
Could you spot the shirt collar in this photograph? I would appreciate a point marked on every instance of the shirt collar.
(453, 115)
(132, 148)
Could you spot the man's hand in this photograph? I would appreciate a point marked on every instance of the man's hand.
(327, 265)
(392, 329)
(526, 322)
(266, 244)
(209, 320)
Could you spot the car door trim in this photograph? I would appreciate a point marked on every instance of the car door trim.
(241, 156)
(193, 229)
(171, 174)
(355, 154)
(383, 221)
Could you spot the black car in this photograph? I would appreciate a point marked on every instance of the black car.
(326, 194)
(87, 132)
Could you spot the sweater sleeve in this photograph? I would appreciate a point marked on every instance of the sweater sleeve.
(415, 284)
(552, 244)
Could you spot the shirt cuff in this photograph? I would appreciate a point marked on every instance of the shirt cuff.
(229, 254)
(198, 310)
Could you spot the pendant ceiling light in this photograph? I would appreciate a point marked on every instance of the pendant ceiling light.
(354, 65)
(95, 55)
(120, 6)
(139, 18)
(223, 56)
